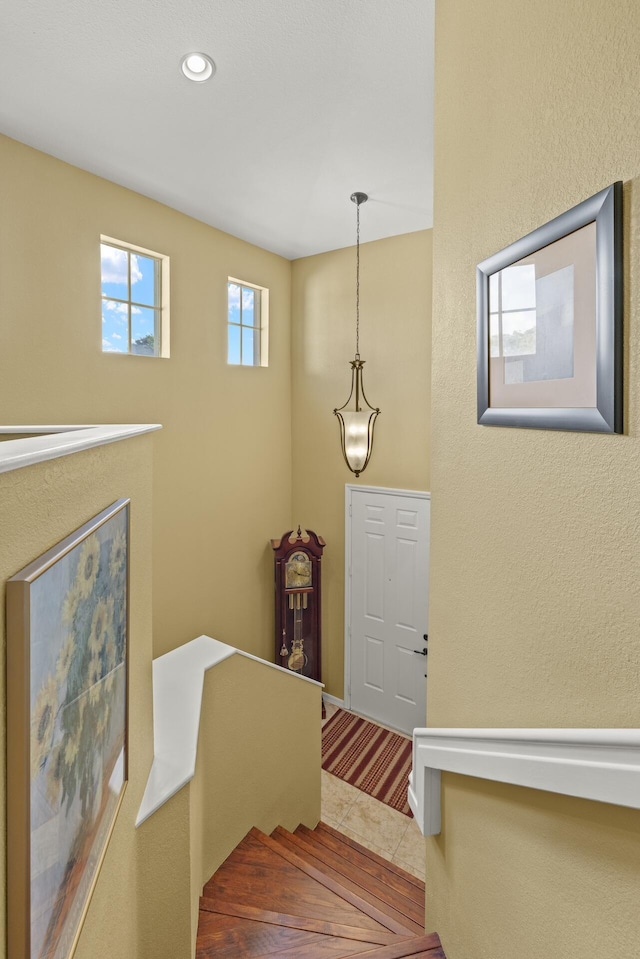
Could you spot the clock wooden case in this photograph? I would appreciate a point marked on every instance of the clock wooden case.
(298, 571)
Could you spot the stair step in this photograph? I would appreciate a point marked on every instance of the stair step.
(427, 946)
(312, 894)
(324, 831)
(357, 878)
(246, 911)
(359, 898)
(256, 874)
(392, 876)
(223, 937)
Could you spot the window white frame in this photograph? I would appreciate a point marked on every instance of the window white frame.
(162, 297)
(260, 324)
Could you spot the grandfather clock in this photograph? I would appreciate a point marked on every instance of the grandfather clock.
(298, 558)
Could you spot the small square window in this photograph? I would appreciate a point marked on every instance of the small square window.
(135, 299)
(247, 327)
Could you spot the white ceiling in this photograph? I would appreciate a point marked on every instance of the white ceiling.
(312, 100)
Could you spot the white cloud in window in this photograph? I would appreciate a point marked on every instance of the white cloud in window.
(247, 298)
(121, 310)
(116, 336)
(135, 269)
(105, 342)
(234, 296)
(114, 265)
(116, 307)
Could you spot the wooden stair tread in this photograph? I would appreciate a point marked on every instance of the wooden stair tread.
(386, 917)
(363, 882)
(269, 882)
(217, 940)
(225, 937)
(307, 923)
(427, 945)
(312, 894)
(280, 885)
(338, 854)
(396, 878)
(323, 830)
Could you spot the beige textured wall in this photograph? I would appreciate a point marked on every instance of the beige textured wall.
(257, 765)
(222, 479)
(535, 595)
(395, 342)
(38, 507)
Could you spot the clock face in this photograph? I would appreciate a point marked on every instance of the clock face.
(298, 571)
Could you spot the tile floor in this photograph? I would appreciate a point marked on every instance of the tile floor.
(371, 823)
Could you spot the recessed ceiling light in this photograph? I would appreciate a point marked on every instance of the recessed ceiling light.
(197, 66)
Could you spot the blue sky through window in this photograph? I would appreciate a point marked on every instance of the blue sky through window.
(115, 327)
(234, 344)
(243, 314)
(117, 266)
(144, 289)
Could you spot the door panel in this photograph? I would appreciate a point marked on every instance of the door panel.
(407, 518)
(405, 585)
(375, 514)
(374, 663)
(406, 667)
(389, 597)
(374, 581)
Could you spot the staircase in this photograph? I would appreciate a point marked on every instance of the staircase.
(312, 894)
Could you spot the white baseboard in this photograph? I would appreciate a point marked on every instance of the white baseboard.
(334, 700)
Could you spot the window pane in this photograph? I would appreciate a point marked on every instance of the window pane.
(247, 306)
(144, 271)
(115, 327)
(143, 331)
(494, 334)
(234, 304)
(114, 272)
(247, 346)
(494, 283)
(233, 355)
(519, 287)
(519, 333)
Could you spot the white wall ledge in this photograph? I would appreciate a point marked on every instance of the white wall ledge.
(36, 444)
(597, 764)
(178, 680)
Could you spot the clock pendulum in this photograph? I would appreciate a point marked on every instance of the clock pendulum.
(297, 659)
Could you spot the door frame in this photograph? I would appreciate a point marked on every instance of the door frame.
(349, 490)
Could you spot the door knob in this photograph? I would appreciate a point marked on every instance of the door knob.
(426, 637)
(420, 652)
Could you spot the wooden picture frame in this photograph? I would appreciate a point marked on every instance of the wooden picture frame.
(67, 729)
(549, 323)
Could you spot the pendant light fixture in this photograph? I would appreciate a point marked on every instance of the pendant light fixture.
(357, 417)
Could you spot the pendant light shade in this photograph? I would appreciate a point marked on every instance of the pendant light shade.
(357, 417)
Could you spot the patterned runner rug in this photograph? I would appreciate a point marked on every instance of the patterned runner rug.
(369, 757)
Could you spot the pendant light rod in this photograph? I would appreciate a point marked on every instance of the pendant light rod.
(358, 198)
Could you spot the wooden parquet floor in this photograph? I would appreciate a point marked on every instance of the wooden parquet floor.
(312, 894)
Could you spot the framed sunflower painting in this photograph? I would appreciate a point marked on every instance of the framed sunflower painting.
(67, 688)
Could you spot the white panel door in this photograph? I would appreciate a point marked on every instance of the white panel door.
(388, 600)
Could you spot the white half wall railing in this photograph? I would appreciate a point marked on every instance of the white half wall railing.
(22, 446)
(178, 680)
(599, 764)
